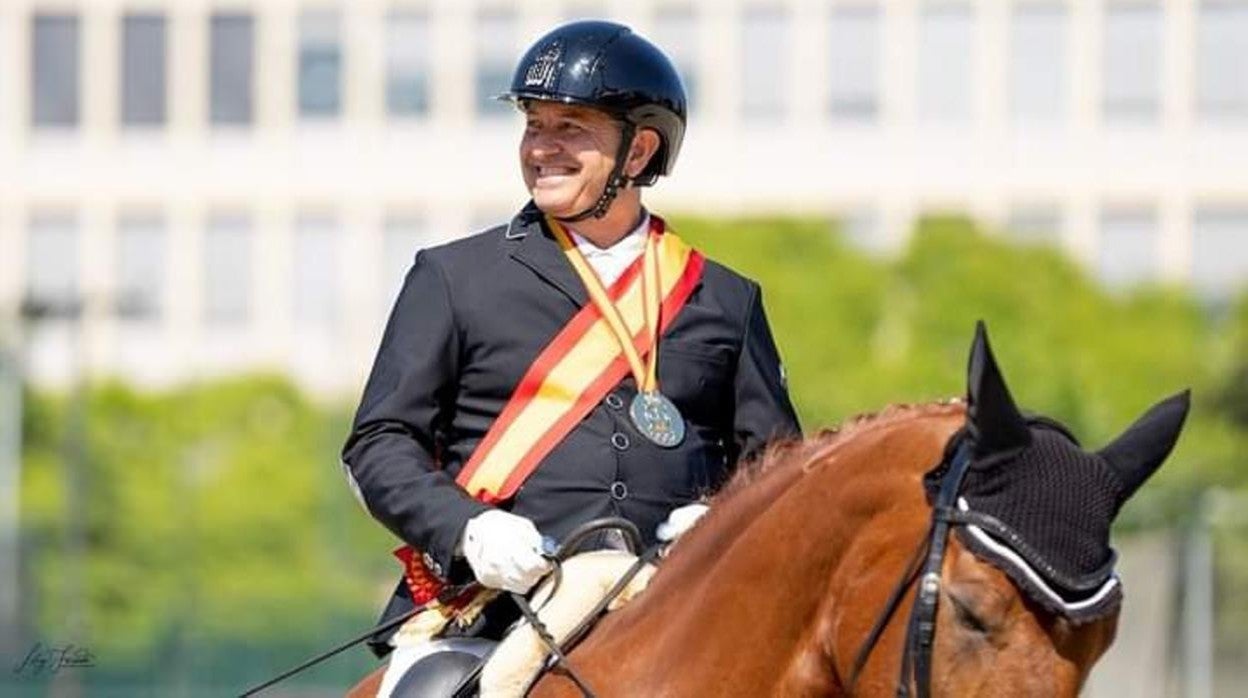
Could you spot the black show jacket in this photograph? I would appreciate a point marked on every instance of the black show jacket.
(471, 318)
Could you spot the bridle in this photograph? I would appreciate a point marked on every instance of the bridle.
(916, 659)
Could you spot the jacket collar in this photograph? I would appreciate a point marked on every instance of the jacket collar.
(535, 247)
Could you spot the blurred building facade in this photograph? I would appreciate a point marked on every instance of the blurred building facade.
(228, 184)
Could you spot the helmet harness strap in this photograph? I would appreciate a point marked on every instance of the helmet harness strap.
(616, 181)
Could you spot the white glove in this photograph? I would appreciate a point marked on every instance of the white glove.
(504, 551)
(680, 520)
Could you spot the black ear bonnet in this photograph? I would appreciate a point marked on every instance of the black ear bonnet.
(1041, 506)
(1044, 511)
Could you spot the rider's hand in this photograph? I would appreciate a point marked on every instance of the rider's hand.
(680, 520)
(504, 551)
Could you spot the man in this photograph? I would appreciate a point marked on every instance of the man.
(516, 393)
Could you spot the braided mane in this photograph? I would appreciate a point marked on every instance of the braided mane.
(808, 452)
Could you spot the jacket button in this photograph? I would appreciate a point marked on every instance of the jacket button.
(431, 564)
(614, 401)
(620, 441)
(619, 491)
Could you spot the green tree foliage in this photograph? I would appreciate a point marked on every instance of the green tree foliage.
(214, 518)
(1232, 397)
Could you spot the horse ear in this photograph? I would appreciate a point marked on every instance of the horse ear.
(1137, 453)
(991, 416)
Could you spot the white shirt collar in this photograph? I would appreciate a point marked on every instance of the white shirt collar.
(636, 238)
(610, 262)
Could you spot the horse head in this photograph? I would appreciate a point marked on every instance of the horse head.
(800, 579)
(1030, 586)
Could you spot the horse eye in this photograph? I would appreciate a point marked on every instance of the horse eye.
(967, 618)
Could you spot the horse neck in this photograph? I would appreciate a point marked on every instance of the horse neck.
(825, 491)
(766, 561)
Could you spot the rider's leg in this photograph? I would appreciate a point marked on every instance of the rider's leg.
(419, 669)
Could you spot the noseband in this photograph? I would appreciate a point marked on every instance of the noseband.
(916, 661)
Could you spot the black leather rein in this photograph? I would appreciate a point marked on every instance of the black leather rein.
(916, 659)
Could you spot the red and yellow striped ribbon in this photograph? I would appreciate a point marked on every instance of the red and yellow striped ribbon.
(578, 368)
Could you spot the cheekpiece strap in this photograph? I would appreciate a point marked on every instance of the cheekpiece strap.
(921, 631)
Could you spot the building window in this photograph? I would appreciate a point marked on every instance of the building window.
(52, 268)
(854, 77)
(1132, 78)
(407, 63)
(763, 84)
(1220, 250)
(1036, 223)
(945, 63)
(140, 268)
(227, 271)
(676, 33)
(54, 65)
(316, 287)
(320, 64)
(1221, 57)
(403, 237)
(52, 260)
(1038, 65)
(231, 62)
(1127, 250)
(496, 39)
(143, 70)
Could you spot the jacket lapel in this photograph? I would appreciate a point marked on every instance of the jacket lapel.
(537, 249)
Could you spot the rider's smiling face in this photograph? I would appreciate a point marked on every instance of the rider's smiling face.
(567, 154)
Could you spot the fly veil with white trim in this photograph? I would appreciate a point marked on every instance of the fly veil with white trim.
(1039, 507)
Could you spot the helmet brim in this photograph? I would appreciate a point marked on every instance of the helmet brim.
(518, 97)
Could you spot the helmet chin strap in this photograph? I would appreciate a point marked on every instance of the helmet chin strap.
(616, 181)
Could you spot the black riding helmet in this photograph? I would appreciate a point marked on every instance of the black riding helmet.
(606, 66)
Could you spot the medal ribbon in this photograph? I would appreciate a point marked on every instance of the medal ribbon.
(645, 374)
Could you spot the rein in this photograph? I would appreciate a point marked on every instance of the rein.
(388, 625)
(557, 556)
(916, 659)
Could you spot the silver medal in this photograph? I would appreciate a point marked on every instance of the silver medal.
(657, 419)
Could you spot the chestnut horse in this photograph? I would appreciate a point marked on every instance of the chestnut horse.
(777, 590)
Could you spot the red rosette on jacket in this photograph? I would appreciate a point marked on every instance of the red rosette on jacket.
(422, 584)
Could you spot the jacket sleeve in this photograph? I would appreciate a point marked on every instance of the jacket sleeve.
(389, 455)
(763, 410)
